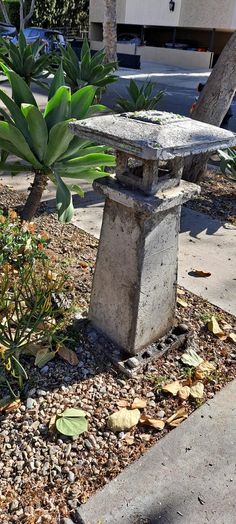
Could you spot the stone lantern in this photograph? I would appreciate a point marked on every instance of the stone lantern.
(134, 288)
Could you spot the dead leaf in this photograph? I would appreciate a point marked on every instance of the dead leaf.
(52, 422)
(214, 328)
(153, 422)
(8, 405)
(122, 403)
(145, 437)
(181, 302)
(68, 355)
(129, 439)
(232, 337)
(200, 273)
(184, 392)
(139, 403)
(197, 391)
(204, 370)
(180, 291)
(177, 417)
(123, 420)
(191, 358)
(172, 387)
(83, 264)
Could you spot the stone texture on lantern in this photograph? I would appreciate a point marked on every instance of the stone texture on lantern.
(134, 289)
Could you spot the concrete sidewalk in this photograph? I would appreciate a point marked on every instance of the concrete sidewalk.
(167, 75)
(188, 477)
(205, 243)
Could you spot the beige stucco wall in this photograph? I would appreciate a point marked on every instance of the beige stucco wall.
(219, 14)
(152, 12)
(96, 11)
(177, 57)
(128, 49)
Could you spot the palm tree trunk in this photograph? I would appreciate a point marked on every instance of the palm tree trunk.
(110, 31)
(33, 201)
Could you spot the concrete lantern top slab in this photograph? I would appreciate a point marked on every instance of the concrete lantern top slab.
(154, 135)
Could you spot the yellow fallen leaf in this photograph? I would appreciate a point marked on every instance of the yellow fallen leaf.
(177, 422)
(181, 302)
(197, 391)
(145, 437)
(122, 403)
(204, 370)
(172, 387)
(139, 403)
(232, 337)
(177, 417)
(184, 392)
(129, 439)
(123, 420)
(153, 422)
(68, 355)
(9, 405)
(180, 291)
(200, 273)
(52, 422)
(214, 328)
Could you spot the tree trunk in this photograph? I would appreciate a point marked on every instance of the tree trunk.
(33, 201)
(24, 19)
(110, 31)
(214, 103)
(4, 12)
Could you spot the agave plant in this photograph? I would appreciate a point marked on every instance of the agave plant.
(44, 144)
(25, 59)
(228, 162)
(140, 98)
(91, 70)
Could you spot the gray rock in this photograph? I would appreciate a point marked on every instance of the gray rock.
(41, 392)
(181, 329)
(71, 477)
(66, 520)
(88, 444)
(132, 362)
(14, 505)
(44, 370)
(30, 403)
(161, 414)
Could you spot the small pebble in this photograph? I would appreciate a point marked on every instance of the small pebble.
(30, 403)
(41, 392)
(161, 414)
(71, 477)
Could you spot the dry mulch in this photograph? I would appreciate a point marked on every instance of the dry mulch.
(217, 198)
(45, 474)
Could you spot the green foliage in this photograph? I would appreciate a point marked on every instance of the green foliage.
(91, 70)
(19, 244)
(25, 59)
(61, 13)
(71, 422)
(228, 162)
(44, 143)
(140, 98)
(31, 322)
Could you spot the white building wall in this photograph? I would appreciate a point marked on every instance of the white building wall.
(152, 12)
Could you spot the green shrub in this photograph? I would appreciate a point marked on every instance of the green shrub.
(31, 322)
(91, 70)
(228, 162)
(139, 98)
(26, 60)
(44, 143)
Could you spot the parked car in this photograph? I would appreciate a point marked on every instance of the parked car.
(129, 38)
(7, 30)
(51, 38)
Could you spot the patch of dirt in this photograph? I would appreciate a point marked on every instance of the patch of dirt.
(40, 468)
(217, 198)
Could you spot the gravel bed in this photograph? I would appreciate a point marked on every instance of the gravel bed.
(217, 198)
(44, 475)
